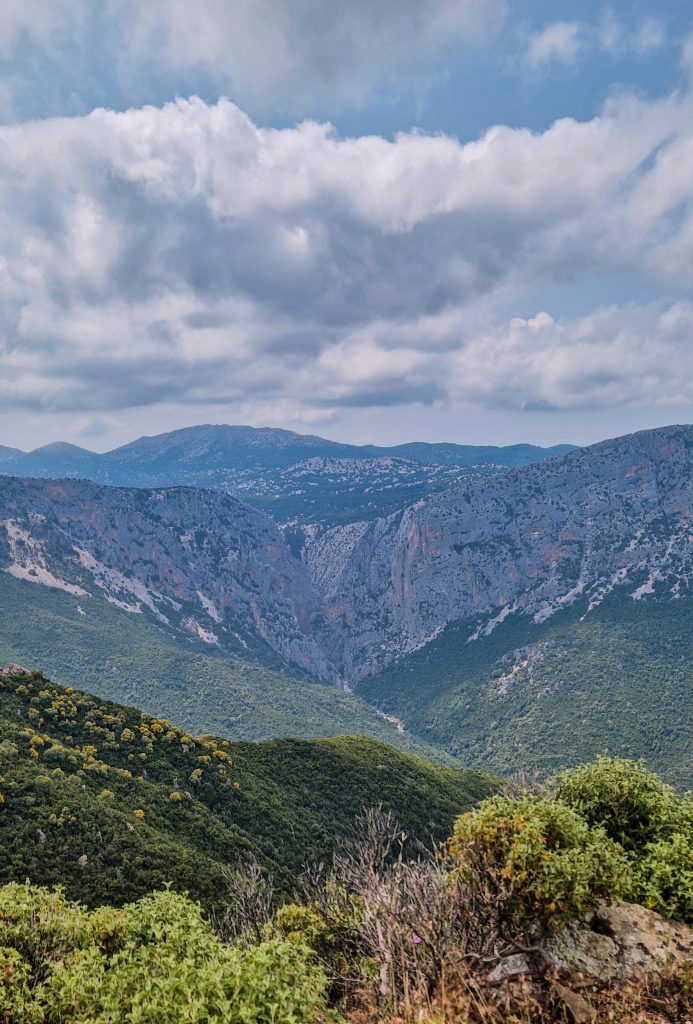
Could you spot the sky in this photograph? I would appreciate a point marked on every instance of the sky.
(461, 220)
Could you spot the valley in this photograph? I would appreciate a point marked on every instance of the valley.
(510, 619)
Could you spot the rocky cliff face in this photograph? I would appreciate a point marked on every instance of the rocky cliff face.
(530, 540)
(618, 514)
(199, 562)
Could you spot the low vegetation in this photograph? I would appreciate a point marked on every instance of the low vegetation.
(387, 930)
(555, 694)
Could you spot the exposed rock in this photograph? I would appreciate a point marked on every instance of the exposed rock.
(15, 670)
(82, 861)
(509, 967)
(523, 542)
(40, 837)
(527, 542)
(162, 553)
(618, 941)
(580, 1009)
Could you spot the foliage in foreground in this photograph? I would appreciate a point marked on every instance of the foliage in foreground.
(152, 962)
(534, 860)
(516, 869)
(379, 935)
(648, 820)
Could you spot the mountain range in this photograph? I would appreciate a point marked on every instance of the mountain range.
(295, 478)
(469, 616)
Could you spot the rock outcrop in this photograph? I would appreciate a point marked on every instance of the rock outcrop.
(198, 562)
(530, 541)
(620, 940)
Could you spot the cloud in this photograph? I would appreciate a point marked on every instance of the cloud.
(297, 49)
(280, 55)
(563, 42)
(44, 23)
(617, 355)
(184, 255)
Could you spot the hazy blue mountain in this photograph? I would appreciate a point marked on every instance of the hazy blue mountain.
(298, 479)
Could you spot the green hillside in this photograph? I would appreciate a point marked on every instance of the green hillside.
(110, 802)
(550, 696)
(126, 658)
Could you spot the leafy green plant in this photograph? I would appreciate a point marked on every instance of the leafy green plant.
(532, 863)
(647, 818)
(17, 1004)
(156, 961)
(663, 878)
(631, 803)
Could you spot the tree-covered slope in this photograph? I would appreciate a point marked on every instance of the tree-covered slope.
(100, 648)
(110, 802)
(554, 694)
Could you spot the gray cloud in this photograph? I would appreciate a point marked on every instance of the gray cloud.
(183, 255)
(299, 50)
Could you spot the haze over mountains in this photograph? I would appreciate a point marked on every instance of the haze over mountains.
(296, 478)
(357, 603)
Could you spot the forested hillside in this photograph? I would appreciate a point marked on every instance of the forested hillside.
(110, 802)
(550, 695)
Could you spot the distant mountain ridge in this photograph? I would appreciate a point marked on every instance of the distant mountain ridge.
(298, 479)
(528, 541)
(227, 447)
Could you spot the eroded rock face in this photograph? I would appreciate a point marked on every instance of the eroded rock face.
(14, 670)
(198, 562)
(529, 541)
(618, 941)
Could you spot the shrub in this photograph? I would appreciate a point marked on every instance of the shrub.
(531, 864)
(155, 961)
(39, 923)
(645, 816)
(663, 878)
(17, 1004)
(631, 803)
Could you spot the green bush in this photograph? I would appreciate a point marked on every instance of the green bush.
(631, 803)
(663, 877)
(654, 826)
(331, 928)
(17, 1005)
(155, 961)
(40, 923)
(533, 862)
